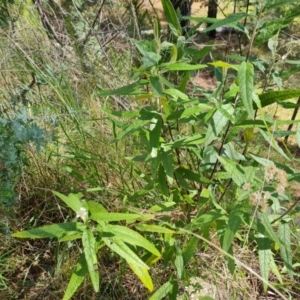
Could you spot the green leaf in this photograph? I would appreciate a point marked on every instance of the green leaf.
(245, 77)
(182, 66)
(268, 227)
(187, 141)
(144, 46)
(163, 291)
(132, 237)
(50, 231)
(156, 85)
(150, 59)
(234, 221)
(96, 207)
(72, 200)
(277, 3)
(89, 249)
(222, 64)
(187, 112)
(272, 142)
(218, 123)
(155, 132)
(176, 94)
(230, 20)
(264, 256)
(298, 134)
(168, 165)
(274, 269)
(131, 129)
(286, 250)
(190, 175)
(234, 170)
(190, 249)
(179, 264)
(134, 262)
(77, 277)
(162, 181)
(131, 89)
(171, 15)
(205, 219)
(154, 228)
(112, 217)
(269, 98)
(70, 236)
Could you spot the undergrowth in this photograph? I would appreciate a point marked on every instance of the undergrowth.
(125, 176)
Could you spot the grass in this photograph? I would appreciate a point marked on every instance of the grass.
(81, 157)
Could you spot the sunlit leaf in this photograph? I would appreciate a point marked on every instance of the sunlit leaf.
(286, 249)
(132, 237)
(230, 20)
(89, 249)
(154, 228)
(112, 217)
(264, 256)
(72, 200)
(179, 264)
(269, 98)
(171, 15)
(272, 142)
(245, 77)
(182, 66)
(50, 231)
(163, 291)
(77, 277)
(134, 262)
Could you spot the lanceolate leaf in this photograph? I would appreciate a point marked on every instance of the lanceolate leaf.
(234, 221)
(245, 77)
(72, 200)
(95, 207)
(167, 162)
(179, 264)
(131, 89)
(268, 227)
(181, 66)
(234, 170)
(163, 291)
(132, 237)
(270, 139)
(274, 4)
(134, 262)
(205, 219)
(286, 250)
(171, 15)
(231, 19)
(89, 249)
(190, 249)
(154, 228)
(80, 271)
(218, 123)
(276, 97)
(264, 254)
(156, 85)
(50, 231)
(111, 217)
(298, 134)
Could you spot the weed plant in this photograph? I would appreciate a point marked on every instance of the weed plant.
(152, 178)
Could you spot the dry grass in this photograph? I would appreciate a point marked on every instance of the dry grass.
(40, 269)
